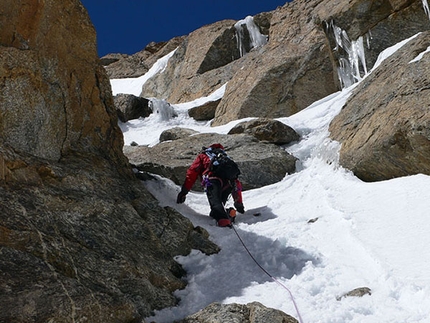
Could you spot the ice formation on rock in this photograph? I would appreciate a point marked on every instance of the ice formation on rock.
(255, 37)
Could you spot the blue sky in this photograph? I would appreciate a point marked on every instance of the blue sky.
(127, 26)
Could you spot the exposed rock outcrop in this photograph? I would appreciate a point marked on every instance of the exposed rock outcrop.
(123, 66)
(246, 313)
(80, 239)
(268, 130)
(85, 244)
(129, 107)
(51, 103)
(357, 292)
(199, 66)
(300, 63)
(204, 112)
(261, 164)
(384, 127)
(283, 77)
(270, 81)
(381, 24)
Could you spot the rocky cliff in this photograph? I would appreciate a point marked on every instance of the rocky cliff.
(80, 239)
(315, 48)
(385, 126)
(301, 62)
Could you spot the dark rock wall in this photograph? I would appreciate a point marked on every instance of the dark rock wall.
(80, 239)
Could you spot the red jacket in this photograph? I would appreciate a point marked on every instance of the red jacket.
(200, 167)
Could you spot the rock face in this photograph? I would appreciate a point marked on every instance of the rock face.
(73, 248)
(199, 66)
(381, 23)
(80, 239)
(283, 77)
(122, 66)
(270, 81)
(249, 313)
(300, 63)
(384, 127)
(51, 103)
(261, 164)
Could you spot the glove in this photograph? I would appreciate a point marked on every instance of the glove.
(239, 207)
(182, 195)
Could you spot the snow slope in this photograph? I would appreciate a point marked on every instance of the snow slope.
(371, 235)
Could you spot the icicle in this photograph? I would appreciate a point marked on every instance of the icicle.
(357, 56)
(352, 68)
(344, 73)
(256, 38)
(341, 37)
(240, 37)
(368, 38)
(163, 109)
(426, 8)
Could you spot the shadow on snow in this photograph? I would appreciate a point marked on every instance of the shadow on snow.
(228, 273)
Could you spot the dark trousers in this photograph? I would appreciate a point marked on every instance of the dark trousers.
(218, 193)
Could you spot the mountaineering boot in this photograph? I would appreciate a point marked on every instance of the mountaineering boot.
(231, 213)
(224, 223)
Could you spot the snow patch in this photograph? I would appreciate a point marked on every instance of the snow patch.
(134, 85)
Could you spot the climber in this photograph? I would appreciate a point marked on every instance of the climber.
(218, 174)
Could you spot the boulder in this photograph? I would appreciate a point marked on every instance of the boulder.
(384, 127)
(269, 130)
(254, 312)
(260, 163)
(357, 292)
(129, 107)
(204, 112)
(176, 133)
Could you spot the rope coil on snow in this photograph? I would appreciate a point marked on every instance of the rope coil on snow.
(268, 274)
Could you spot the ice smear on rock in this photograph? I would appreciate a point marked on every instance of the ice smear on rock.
(352, 59)
(256, 38)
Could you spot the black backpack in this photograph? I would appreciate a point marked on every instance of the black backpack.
(222, 165)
